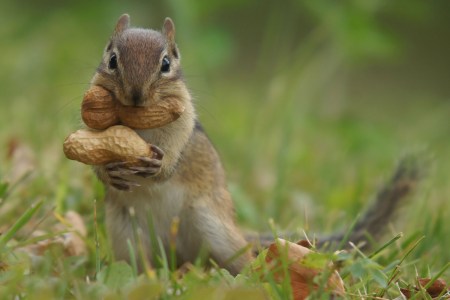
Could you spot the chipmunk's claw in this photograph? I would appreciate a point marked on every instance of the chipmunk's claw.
(116, 171)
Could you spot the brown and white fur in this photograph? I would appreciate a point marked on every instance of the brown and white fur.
(186, 181)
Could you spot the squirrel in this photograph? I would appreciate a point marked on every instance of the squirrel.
(184, 180)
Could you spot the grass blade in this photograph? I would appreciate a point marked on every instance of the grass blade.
(395, 272)
(23, 219)
(433, 279)
(38, 239)
(348, 233)
(395, 238)
(3, 190)
(133, 260)
(97, 243)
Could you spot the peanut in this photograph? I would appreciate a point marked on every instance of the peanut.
(153, 116)
(117, 143)
(99, 111)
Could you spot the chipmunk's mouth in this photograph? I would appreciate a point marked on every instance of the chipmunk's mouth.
(136, 98)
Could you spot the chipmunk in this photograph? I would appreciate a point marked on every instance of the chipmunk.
(185, 179)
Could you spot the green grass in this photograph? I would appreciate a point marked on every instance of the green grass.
(307, 133)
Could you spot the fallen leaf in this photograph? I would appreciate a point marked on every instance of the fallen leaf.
(406, 293)
(305, 243)
(72, 242)
(301, 276)
(438, 287)
(3, 266)
(22, 159)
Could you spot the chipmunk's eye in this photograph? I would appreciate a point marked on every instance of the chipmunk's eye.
(165, 64)
(112, 65)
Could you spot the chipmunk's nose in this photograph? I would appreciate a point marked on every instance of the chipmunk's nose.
(136, 97)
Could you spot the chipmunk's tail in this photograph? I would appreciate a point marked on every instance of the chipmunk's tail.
(373, 223)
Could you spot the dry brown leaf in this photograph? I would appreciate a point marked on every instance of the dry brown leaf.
(39, 248)
(305, 243)
(438, 288)
(74, 244)
(406, 293)
(22, 159)
(71, 242)
(3, 266)
(301, 277)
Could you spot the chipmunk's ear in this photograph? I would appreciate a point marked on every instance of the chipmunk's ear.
(169, 33)
(169, 30)
(122, 24)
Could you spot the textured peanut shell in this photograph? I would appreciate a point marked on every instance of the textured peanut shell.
(117, 143)
(153, 116)
(100, 111)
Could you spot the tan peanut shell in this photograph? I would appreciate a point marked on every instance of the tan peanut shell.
(100, 111)
(153, 116)
(117, 143)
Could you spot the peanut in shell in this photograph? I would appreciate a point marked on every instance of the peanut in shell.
(153, 116)
(117, 143)
(99, 110)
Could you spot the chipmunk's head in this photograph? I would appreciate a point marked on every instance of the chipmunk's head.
(141, 66)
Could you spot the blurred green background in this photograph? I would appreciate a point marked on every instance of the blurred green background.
(309, 103)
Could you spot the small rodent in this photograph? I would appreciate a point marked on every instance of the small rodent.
(185, 180)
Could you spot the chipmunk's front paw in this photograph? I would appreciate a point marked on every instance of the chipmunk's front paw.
(119, 172)
(150, 166)
(116, 172)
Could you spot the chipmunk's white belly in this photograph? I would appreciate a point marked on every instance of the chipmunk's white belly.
(162, 203)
